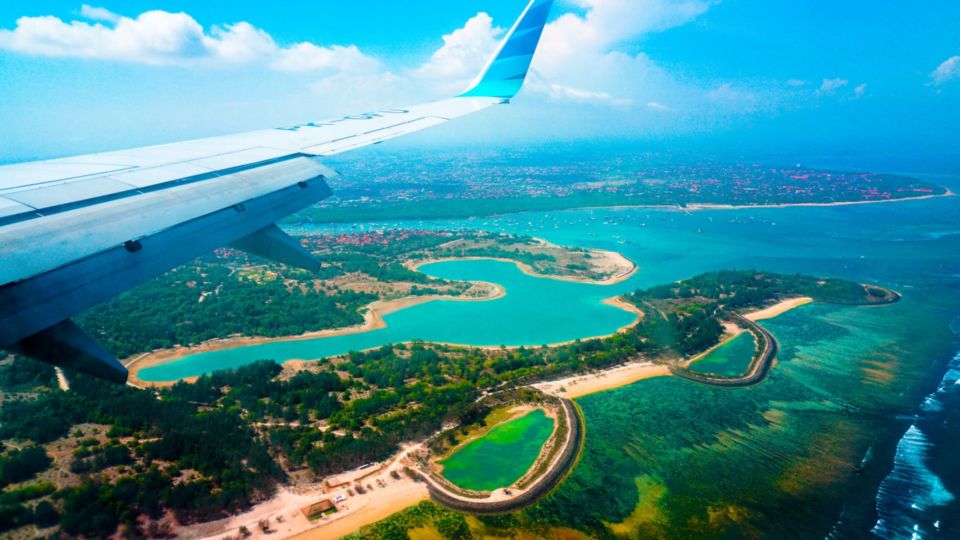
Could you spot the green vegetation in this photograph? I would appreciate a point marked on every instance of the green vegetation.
(23, 375)
(19, 465)
(444, 523)
(155, 441)
(685, 317)
(214, 300)
(208, 449)
(744, 289)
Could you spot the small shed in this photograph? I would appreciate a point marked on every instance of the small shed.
(319, 508)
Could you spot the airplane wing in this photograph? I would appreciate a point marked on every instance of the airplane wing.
(77, 231)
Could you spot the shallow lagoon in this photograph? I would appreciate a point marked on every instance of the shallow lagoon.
(731, 359)
(502, 456)
(535, 311)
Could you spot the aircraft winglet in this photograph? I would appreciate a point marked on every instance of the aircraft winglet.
(504, 75)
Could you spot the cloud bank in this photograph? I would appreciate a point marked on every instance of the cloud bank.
(588, 59)
(164, 38)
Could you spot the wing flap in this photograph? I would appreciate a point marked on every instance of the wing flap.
(273, 244)
(153, 176)
(68, 193)
(373, 137)
(10, 207)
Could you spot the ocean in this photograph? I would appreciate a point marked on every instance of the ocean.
(853, 435)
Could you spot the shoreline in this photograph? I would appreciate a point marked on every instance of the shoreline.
(577, 386)
(374, 320)
(689, 207)
(401, 494)
(619, 259)
(778, 309)
(713, 206)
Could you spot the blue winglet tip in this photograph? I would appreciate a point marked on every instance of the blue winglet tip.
(506, 72)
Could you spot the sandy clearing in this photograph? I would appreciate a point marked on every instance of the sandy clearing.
(579, 386)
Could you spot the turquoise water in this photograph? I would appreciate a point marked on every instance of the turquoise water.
(802, 455)
(535, 311)
(501, 457)
(730, 359)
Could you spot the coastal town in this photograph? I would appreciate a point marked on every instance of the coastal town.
(458, 184)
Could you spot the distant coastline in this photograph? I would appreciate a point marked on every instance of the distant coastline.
(695, 207)
(710, 206)
(615, 205)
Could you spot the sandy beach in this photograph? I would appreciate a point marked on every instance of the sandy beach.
(693, 207)
(583, 385)
(621, 267)
(385, 496)
(707, 206)
(386, 502)
(778, 309)
(579, 386)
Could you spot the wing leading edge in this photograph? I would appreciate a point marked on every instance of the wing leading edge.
(76, 231)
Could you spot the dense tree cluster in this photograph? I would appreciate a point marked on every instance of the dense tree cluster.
(19, 465)
(740, 289)
(229, 462)
(210, 301)
(25, 375)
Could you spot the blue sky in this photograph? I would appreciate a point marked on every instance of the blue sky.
(747, 76)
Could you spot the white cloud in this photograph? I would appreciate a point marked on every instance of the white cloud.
(728, 94)
(581, 61)
(310, 57)
(566, 93)
(796, 83)
(464, 52)
(98, 14)
(164, 38)
(947, 71)
(580, 54)
(830, 86)
(860, 91)
(241, 43)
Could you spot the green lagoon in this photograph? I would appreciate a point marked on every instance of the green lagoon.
(502, 456)
(731, 359)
